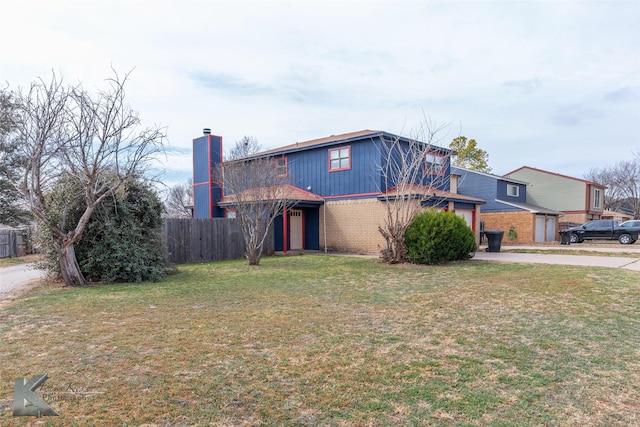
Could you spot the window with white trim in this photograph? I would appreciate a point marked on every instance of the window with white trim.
(339, 159)
(596, 197)
(513, 190)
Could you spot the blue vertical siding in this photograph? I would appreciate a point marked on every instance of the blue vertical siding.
(478, 185)
(201, 201)
(312, 229)
(309, 170)
(489, 188)
(200, 160)
(207, 155)
(502, 192)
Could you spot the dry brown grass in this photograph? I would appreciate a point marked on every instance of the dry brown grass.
(314, 340)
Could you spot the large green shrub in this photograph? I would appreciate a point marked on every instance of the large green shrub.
(122, 240)
(435, 237)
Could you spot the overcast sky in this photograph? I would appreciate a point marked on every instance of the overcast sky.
(553, 85)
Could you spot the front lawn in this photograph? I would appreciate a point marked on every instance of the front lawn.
(319, 340)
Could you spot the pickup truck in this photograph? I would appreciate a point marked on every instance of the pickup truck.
(602, 229)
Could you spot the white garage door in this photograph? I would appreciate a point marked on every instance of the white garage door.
(551, 228)
(540, 221)
(467, 216)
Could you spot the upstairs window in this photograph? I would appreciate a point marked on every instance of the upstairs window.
(339, 159)
(281, 167)
(596, 197)
(513, 190)
(434, 164)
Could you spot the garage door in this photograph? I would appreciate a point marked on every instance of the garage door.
(540, 222)
(467, 216)
(551, 228)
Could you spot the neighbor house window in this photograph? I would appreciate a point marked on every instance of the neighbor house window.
(232, 213)
(434, 164)
(513, 190)
(281, 167)
(596, 197)
(339, 159)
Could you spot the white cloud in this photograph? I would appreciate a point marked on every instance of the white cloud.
(511, 75)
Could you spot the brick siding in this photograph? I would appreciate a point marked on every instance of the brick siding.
(352, 225)
(524, 223)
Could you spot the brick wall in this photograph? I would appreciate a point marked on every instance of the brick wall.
(523, 221)
(352, 225)
(578, 218)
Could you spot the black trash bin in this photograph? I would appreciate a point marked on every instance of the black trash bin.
(565, 237)
(494, 239)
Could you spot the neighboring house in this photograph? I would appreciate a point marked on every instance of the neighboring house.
(580, 200)
(337, 195)
(617, 216)
(506, 207)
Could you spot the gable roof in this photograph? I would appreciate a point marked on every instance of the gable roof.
(344, 138)
(554, 174)
(423, 191)
(487, 174)
(286, 192)
(531, 208)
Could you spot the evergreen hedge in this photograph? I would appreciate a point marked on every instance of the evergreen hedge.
(436, 237)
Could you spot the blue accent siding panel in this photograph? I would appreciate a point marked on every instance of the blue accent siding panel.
(435, 203)
(277, 233)
(461, 205)
(480, 186)
(215, 143)
(216, 195)
(200, 160)
(207, 151)
(502, 192)
(489, 188)
(201, 201)
(310, 168)
(312, 229)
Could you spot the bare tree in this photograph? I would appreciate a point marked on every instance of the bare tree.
(93, 141)
(411, 170)
(179, 199)
(246, 146)
(256, 193)
(623, 185)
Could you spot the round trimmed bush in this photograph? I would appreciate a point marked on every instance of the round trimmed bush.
(436, 237)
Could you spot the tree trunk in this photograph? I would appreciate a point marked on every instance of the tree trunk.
(69, 268)
(253, 256)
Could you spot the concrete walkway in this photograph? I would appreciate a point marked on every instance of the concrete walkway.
(628, 263)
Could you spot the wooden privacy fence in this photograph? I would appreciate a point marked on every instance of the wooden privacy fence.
(14, 242)
(202, 239)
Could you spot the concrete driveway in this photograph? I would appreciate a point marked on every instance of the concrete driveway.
(17, 279)
(628, 263)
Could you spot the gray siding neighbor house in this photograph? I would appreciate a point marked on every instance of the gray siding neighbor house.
(578, 199)
(506, 207)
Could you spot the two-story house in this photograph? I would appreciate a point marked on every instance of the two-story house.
(578, 199)
(337, 192)
(506, 207)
